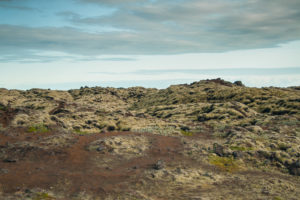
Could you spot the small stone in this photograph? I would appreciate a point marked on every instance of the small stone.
(27, 191)
(4, 171)
(159, 165)
(10, 160)
(88, 122)
(266, 192)
(135, 167)
(237, 154)
(100, 148)
(178, 170)
(218, 149)
(273, 146)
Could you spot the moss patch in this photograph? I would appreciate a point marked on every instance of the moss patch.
(186, 133)
(238, 148)
(80, 132)
(38, 128)
(224, 163)
(43, 196)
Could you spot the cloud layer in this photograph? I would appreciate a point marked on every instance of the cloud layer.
(143, 27)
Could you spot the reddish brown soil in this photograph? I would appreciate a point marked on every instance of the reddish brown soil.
(72, 169)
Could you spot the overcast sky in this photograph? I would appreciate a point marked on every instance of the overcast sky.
(63, 44)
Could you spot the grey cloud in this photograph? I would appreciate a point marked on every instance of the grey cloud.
(69, 15)
(112, 2)
(72, 40)
(24, 8)
(224, 25)
(226, 72)
(118, 59)
(217, 72)
(23, 44)
(31, 57)
(21, 8)
(165, 27)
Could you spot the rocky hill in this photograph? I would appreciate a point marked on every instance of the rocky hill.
(211, 139)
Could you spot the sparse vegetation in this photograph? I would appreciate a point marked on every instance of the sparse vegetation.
(204, 132)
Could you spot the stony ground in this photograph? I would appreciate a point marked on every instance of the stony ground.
(207, 140)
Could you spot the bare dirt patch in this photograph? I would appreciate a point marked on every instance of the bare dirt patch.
(120, 165)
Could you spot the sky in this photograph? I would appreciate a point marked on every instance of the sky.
(151, 43)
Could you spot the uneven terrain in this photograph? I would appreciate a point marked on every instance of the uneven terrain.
(211, 139)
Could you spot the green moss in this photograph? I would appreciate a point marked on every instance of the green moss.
(38, 128)
(224, 163)
(186, 133)
(238, 148)
(80, 132)
(43, 196)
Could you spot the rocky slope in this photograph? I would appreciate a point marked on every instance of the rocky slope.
(210, 139)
